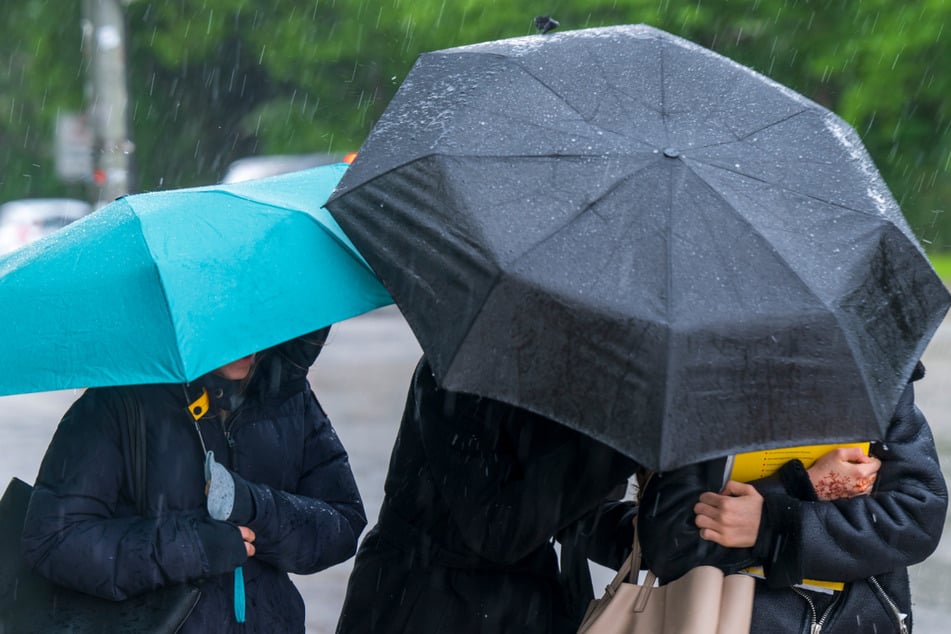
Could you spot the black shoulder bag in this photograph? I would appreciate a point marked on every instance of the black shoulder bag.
(30, 603)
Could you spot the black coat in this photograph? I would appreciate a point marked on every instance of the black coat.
(475, 491)
(867, 541)
(82, 529)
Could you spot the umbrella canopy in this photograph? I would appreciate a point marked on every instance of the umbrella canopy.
(167, 286)
(644, 240)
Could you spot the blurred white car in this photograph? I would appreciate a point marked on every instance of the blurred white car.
(253, 167)
(26, 220)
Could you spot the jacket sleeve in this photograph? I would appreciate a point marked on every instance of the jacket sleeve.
(80, 529)
(606, 534)
(670, 540)
(511, 479)
(316, 524)
(900, 524)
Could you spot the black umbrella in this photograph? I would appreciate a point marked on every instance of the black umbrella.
(644, 240)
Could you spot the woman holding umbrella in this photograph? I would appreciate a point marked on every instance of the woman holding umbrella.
(245, 482)
(476, 492)
(853, 518)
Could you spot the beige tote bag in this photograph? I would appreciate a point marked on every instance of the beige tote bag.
(703, 601)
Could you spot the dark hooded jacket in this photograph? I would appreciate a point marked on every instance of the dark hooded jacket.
(867, 541)
(294, 489)
(475, 491)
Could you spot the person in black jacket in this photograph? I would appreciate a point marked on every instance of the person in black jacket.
(279, 483)
(475, 492)
(860, 520)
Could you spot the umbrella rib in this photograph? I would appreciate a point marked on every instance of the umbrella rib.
(586, 208)
(541, 242)
(856, 351)
(508, 114)
(166, 304)
(777, 122)
(778, 186)
(348, 247)
(717, 194)
(586, 119)
(234, 194)
(742, 137)
(739, 138)
(669, 347)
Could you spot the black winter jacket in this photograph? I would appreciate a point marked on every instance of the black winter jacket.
(475, 491)
(867, 541)
(300, 498)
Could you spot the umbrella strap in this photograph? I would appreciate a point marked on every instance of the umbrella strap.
(201, 439)
(138, 438)
(239, 605)
(197, 409)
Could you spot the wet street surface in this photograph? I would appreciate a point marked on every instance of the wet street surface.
(361, 379)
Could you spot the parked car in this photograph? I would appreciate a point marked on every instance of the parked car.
(23, 221)
(252, 167)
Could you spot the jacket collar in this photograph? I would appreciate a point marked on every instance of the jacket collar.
(210, 394)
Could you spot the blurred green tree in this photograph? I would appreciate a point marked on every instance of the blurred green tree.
(41, 75)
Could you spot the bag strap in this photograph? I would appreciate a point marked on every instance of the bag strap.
(643, 596)
(136, 422)
(628, 572)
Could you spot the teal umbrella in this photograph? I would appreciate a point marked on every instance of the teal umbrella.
(166, 286)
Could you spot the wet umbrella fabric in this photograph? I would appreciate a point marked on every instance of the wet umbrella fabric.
(166, 286)
(644, 240)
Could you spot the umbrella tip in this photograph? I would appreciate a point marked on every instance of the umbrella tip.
(546, 23)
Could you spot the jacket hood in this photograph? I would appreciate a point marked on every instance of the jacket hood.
(283, 368)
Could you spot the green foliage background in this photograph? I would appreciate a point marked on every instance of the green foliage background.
(213, 80)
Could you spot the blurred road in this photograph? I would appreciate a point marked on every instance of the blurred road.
(361, 379)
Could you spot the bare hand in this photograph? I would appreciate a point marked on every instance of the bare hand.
(730, 518)
(846, 472)
(248, 536)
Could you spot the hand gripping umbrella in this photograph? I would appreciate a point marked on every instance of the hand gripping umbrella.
(644, 240)
(166, 286)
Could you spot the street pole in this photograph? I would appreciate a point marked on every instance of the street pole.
(107, 98)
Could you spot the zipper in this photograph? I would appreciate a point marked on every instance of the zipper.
(229, 437)
(900, 617)
(818, 621)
